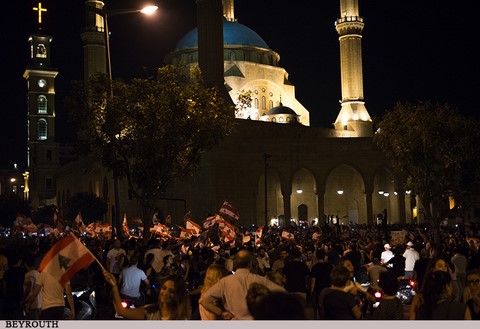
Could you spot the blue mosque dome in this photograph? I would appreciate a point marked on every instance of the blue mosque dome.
(234, 34)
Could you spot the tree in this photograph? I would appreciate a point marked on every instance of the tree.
(434, 150)
(153, 131)
(90, 205)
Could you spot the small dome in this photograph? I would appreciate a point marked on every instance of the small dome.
(234, 34)
(281, 110)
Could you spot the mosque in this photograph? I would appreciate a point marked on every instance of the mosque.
(273, 168)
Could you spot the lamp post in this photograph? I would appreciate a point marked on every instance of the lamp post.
(105, 13)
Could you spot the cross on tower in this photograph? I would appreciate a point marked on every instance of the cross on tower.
(40, 10)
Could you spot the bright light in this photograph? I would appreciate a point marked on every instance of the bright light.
(395, 193)
(408, 191)
(340, 192)
(149, 10)
(13, 180)
(381, 192)
(386, 194)
(299, 190)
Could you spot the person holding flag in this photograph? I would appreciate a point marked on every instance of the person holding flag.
(59, 265)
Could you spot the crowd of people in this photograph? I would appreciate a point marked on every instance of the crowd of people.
(274, 278)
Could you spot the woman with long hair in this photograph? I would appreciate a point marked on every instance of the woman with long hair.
(214, 273)
(173, 302)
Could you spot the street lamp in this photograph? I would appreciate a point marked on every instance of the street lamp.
(105, 13)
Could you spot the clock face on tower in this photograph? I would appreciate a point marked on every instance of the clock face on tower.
(42, 83)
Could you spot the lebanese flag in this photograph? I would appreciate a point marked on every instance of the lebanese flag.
(192, 227)
(228, 231)
(229, 210)
(68, 256)
(79, 222)
(125, 224)
(184, 234)
(258, 236)
(210, 221)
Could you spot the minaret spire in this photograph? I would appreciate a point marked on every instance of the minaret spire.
(353, 116)
(228, 10)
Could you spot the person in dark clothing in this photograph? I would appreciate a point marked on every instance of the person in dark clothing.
(334, 253)
(473, 287)
(335, 303)
(14, 278)
(397, 262)
(390, 307)
(296, 273)
(320, 275)
(355, 256)
(419, 268)
(437, 300)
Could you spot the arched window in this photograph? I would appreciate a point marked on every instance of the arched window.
(256, 103)
(288, 119)
(274, 120)
(280, 119)
(42, 104)
(233, 56)
(41, 51)
(42, 129)
(270, 105)
(264, 103)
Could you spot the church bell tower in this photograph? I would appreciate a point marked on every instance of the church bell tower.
(42, 148)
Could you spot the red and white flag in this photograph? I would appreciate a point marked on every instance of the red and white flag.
(184, 234)
(68, 256)
(258, 236)
(192, 227)
(228, 231)
(79, 223)
(229, 210)
(210, 221)
(160, 229)
(287, 235)
(125, 224)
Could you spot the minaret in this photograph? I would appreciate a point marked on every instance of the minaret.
(353, 117)
(210, 44)
(93, 37)
(228, 10)
(42, 149)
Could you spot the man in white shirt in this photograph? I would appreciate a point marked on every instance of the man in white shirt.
(232, 290)
(130, 281)
(387, 254)
(411, 256)
(115, 258)
(53, 300)
(158, 253)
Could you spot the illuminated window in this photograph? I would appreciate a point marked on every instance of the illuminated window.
(42, 104)
(42, 129)
(281, 119)
(41, 51)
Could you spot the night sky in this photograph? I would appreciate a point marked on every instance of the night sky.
(412, 51)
